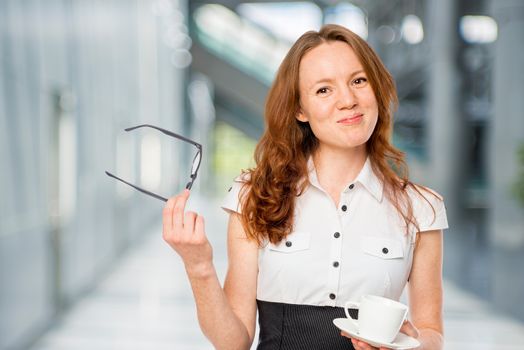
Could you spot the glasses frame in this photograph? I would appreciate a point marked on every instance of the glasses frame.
(194, 172)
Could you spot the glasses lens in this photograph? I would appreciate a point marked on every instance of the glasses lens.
(196, 162)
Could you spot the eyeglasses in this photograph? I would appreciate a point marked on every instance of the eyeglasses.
(194, 168)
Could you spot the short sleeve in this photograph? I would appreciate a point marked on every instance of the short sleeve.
(429, 210)
(231, 202)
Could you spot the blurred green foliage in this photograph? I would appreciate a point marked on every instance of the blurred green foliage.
(233, 152)
(518, 187)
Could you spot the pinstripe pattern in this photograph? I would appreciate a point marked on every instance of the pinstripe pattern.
(298, 327)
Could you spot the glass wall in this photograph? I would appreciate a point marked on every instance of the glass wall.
(73, 75)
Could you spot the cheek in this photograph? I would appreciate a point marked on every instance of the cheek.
(317, 114)
(321, 129)
(373, 111)
(374, 121)
(372, 125)
(321, 112)
(316, 127)
(323, 118)
(370, 101)
(371, 129)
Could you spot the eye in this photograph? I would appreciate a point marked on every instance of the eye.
(322, 90)
(360, 81)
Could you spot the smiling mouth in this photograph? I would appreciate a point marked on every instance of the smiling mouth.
(351, 120)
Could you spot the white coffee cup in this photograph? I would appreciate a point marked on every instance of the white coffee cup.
(379, 318)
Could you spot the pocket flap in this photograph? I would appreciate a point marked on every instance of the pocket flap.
(294, 242)
(382, 247)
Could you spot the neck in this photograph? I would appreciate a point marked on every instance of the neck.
(337, 168)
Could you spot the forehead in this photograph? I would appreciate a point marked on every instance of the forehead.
(329, 60)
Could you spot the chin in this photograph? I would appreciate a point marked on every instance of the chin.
(357, 142)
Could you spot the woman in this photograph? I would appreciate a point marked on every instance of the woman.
(327, 215)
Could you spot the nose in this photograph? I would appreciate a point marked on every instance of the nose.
(346, 99)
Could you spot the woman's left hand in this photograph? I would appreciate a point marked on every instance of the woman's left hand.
(407, 328)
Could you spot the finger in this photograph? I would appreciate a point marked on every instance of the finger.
(360, 345)
(178, 212)
(189, 223)
(409, 329)
(356, 343)
(200, 229)
(364, 346)
(167, 216)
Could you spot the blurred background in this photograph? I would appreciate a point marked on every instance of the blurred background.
(82, 264)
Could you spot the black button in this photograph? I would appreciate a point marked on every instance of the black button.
(385, 250)
(344, 207)
(289, 244)
(351, 186)
(332, 296)
(337, 234)
(335, 264)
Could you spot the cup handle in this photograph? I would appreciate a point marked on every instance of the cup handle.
(354, 305)
(405, 315)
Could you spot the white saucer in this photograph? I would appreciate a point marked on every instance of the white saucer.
(402, 341)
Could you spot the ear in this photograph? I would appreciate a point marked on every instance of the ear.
(301, 116)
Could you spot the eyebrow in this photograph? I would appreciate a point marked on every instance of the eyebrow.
(330, 80)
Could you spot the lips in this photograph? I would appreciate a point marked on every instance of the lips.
(356, 118)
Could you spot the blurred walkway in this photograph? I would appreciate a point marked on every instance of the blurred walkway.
(146, 303)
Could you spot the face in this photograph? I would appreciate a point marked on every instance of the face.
(336, 97)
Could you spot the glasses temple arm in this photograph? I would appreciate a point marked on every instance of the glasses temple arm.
(167, 132)
(136, 187)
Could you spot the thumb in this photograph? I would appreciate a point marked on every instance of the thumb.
(409, 329)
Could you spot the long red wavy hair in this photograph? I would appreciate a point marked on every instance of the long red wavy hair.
(283, 151)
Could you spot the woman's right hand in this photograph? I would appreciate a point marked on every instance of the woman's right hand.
(185, 233)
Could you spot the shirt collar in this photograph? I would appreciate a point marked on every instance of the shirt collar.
(366, 178)
(370, 181)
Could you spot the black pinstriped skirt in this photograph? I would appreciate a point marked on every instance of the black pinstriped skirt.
(299, 327)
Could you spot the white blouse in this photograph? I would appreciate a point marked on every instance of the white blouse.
(338, 254)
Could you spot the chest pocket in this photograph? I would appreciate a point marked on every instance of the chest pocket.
(382, 247)
(294, 242)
